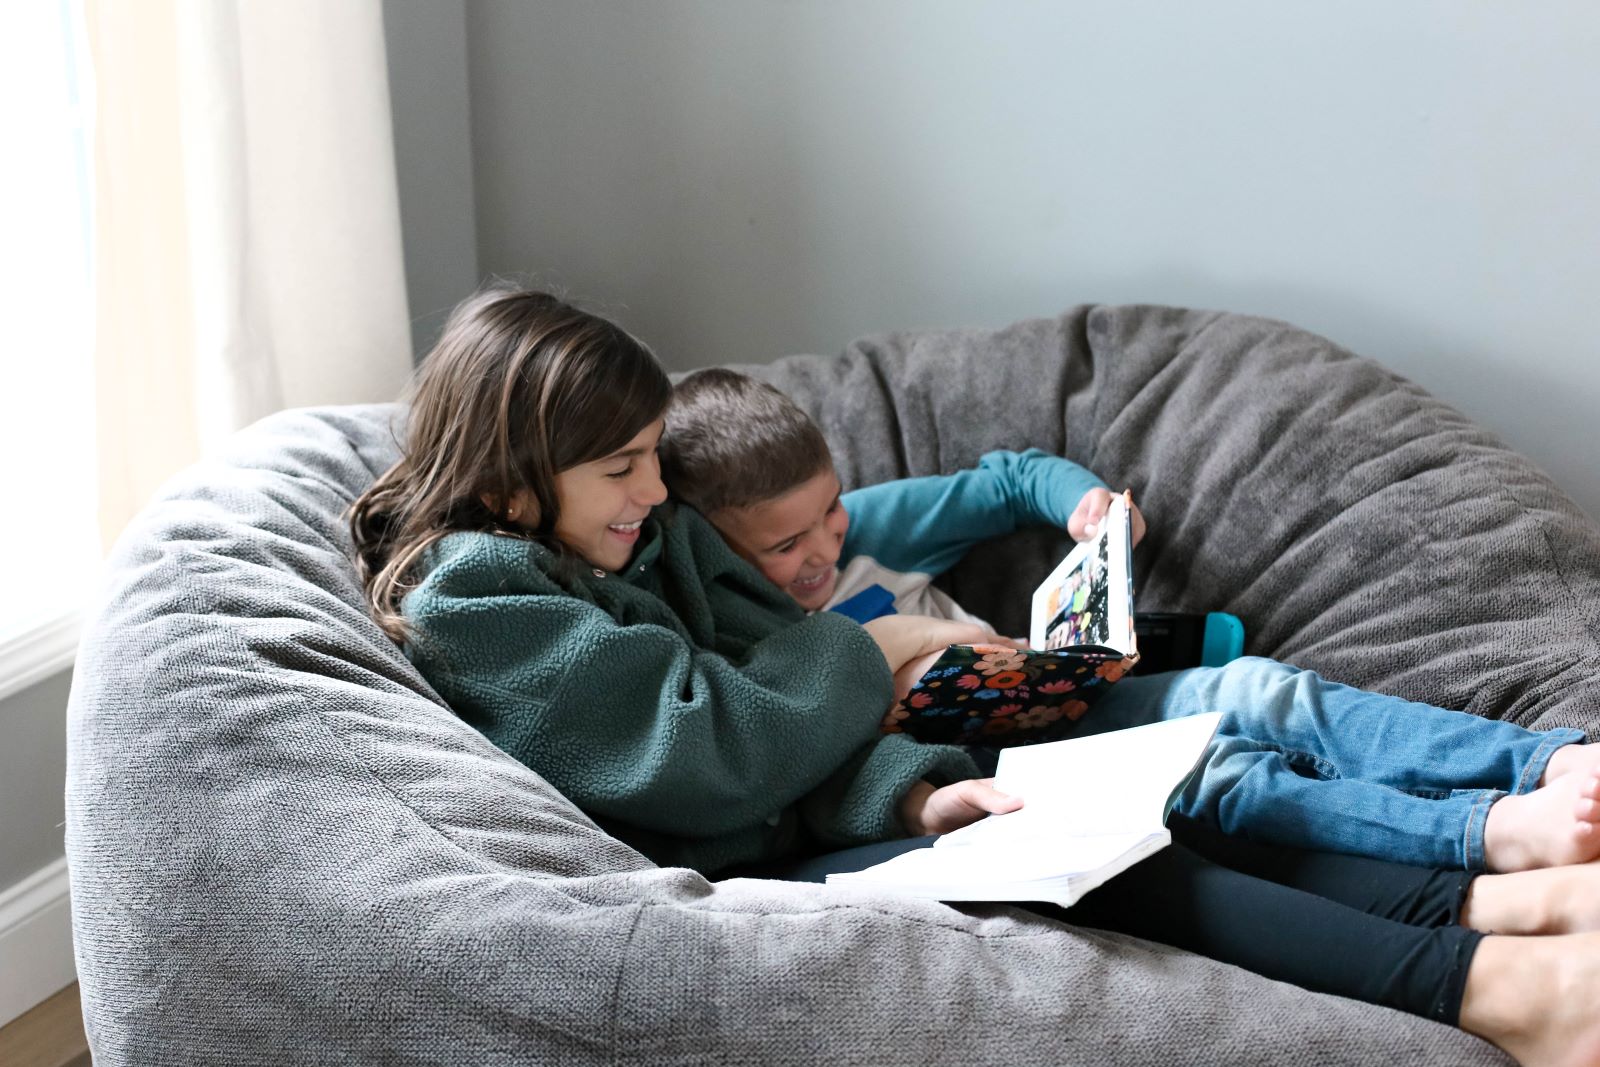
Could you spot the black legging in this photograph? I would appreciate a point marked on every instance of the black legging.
(1384, 933)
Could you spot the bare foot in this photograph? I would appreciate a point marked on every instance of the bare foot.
(1535, 998)
(1555, 824)
(1569, 758)
(1554, 900)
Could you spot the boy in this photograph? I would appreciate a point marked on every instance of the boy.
(742, 454)
(1408, 782)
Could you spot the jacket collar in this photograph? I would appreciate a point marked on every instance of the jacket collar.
(649, 551)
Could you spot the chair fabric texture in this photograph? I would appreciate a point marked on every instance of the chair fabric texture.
(285, 848)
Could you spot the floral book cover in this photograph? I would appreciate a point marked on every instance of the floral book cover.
(1082, 641)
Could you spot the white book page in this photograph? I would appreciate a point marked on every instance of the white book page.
(1115, 783)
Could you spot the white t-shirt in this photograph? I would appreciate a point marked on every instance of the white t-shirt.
(913, 591)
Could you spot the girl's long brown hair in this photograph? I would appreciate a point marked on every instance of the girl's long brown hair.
(520, 387)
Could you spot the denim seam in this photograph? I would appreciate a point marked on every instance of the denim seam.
(1473, 855)
(1296, 757)
(1534, 769)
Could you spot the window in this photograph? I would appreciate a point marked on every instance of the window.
(48, 536)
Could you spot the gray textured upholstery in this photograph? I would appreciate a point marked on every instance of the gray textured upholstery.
(284, 848)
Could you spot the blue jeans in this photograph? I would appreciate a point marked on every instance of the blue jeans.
(1309, 763)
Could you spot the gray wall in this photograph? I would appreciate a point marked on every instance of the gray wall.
(33, 773)
(427, 46)
(736, 179)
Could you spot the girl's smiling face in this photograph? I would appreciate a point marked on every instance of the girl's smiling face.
(603, 502)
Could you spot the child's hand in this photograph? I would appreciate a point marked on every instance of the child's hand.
(926, 810)
(907, 676)
(907, 639)
(1091, 512)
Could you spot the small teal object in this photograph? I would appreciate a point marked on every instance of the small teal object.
(1223, 641)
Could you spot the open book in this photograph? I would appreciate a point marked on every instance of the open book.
(1083, 640)
(1092, 807)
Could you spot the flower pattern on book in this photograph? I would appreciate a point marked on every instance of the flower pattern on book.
(997, 660)
(976, 695)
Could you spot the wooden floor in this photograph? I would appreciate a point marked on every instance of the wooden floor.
(48, 1035)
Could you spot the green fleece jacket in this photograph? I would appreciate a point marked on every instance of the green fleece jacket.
(686, 703)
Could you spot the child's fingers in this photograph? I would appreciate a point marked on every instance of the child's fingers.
(1078, 518)
(1099, 501)
(1137, 519)
(1087, 515)
(955, 805)
(982, 794)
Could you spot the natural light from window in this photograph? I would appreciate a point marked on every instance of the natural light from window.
(48, 538)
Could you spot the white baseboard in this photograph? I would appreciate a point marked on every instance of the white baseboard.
(32, 655)
(35, 940)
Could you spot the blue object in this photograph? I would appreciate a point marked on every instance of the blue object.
(873, 602)
(1223, 641)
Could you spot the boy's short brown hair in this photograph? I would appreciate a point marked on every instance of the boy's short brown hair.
(732, 441)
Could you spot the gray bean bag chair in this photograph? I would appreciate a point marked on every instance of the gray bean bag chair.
(284, 847)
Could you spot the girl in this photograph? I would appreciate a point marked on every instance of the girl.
(619, 648)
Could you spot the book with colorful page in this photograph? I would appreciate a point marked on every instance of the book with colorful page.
(1082, 640)
(1091, 808)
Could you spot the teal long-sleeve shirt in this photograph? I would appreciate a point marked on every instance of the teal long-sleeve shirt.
(685, 703)
(925, 525)
(903, 534)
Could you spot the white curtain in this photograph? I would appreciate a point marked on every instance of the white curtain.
(247, 224)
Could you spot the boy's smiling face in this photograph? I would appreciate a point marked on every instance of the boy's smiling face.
(794, 539)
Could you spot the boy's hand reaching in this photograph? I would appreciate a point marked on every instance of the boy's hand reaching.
(1091, 512)
(926, 810)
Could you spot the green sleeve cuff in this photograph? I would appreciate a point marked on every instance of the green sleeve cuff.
(859, 803)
